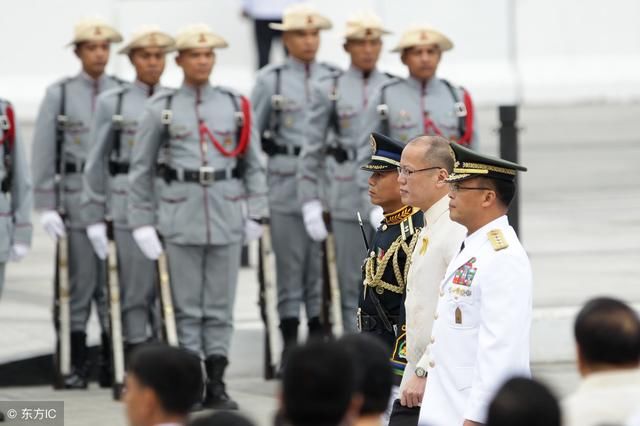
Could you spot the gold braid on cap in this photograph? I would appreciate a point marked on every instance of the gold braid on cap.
(483, 169)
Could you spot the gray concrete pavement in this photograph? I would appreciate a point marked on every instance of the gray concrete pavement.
(580, 224)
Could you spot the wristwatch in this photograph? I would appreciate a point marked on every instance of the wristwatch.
(421, 372)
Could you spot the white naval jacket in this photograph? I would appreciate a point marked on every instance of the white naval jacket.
(438, 243)
(608, 397)
(481, 327)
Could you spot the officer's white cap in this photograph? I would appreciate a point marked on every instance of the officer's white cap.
(148, 36)
(302, 17)
(423, 36)
(94, 29)
(364, 26)
(198, 36)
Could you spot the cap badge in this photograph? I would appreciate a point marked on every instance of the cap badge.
(372, 142)
(202, 38)
(423, 36)
(97, 31)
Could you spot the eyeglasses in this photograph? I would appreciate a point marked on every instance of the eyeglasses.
(404, 171)
(455, 187)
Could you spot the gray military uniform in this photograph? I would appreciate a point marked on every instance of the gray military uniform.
(298, 257)
(202, 224)
(415, 109)
(106, 189)
(404, 108)
(336, 125)
(15, 203)
(87, 273)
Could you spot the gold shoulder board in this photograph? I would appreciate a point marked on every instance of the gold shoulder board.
(497, 239)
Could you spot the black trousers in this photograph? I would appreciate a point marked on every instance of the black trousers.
(264, 37)
(403, 416)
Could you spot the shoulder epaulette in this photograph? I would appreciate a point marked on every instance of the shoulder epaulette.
(118, 80)
(330, 67)
(62, 81)
(269, 69)
(228, 91)
(390, 82)
(497, 239)
(334, 74)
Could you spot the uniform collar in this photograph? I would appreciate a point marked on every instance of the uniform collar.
(92, 81)
(300, 66)
(193, 91)
(144, 87)
(418, 85)
(436, 211)
(399, 215)
(359, 73)
(475, 240)
(610, 379)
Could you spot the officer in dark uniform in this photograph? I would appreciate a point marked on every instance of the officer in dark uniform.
(381, 306)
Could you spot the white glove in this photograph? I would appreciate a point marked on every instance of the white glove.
(313, 221)
(97, 234)
(147, 239)
(376, 216)
(252, 230)
(53, 224)
(18, 251)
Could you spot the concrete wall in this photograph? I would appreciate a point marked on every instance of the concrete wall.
(534, 51)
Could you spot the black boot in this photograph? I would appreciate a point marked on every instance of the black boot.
(105, 374)
(79, 367)
(216, 395)
(316, 329)
(289, 330)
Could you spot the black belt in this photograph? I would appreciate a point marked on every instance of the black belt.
(271, 148)
(340, 154)
(118, 168)
(73, 168)
(374, 322)
(204, 175)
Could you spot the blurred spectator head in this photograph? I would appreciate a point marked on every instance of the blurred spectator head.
(221, 418)
(374, 377)
(162, 385)
(523, 402)
(318, 385)
(607, 333)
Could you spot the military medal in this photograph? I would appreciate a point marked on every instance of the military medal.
(228, 141)
(464, 275)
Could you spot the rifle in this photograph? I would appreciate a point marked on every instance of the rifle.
(170, 333)
(331, 300)
(268, 300)
(115, 318)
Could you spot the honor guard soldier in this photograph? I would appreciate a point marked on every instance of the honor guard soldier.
(282, 96)
(106, 186)
(481, 328)
(15, 192)
(422, 104)
(332, 139)
(60, 146)
(203, 141)
(386, 266)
